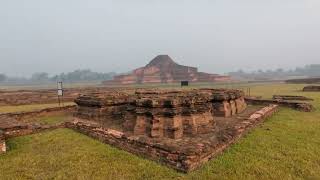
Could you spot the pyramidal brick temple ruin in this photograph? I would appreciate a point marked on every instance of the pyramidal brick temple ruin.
(162, 69)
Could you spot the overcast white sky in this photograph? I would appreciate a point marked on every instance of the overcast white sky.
(119, 35)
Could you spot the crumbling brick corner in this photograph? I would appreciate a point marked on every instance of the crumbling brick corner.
(227, 102)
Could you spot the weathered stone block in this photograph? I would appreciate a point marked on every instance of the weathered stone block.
(233, 107)
(174, 132)
(222, 109)
(241, 105)
(140, 127)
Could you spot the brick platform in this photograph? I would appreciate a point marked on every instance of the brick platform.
(182, 129)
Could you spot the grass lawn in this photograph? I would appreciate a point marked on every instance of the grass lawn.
(31, 107)
(54, 119)
(286, 146)
(65, 154)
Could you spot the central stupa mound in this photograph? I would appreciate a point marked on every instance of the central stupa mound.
(162, 69)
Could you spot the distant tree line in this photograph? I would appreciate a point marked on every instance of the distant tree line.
(75, 76)
(86, 75)
(312, 70)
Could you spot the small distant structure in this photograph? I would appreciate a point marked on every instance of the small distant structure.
(184, 83)
(162, 69)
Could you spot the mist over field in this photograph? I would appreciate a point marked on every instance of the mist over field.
(218, 36)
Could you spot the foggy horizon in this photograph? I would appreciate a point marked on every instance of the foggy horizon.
(118, 36)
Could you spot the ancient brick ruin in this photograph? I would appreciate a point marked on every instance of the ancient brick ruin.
(294, 104)
(312, 88)
(24, 123)
(173, 112)
(291, 98)
(24, 97)
(47, 96)
(182, 129)
(162, 69)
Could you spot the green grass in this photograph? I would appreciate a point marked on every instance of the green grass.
(31, 107)
(65, 154)
(53, 119)
(286, 146)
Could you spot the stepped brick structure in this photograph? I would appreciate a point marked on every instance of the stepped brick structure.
(181, 128)
(162, 69)
(174, 112)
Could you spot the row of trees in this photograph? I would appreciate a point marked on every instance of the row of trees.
(312, 70)
(88, 75)
(3, 77)
(75, 76)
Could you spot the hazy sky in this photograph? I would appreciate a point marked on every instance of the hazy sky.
(119, 35)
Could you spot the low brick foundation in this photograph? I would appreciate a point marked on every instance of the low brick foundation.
(291, 98)
(25, 115)
(13, 125)
(29, 129)
(297, 105)
(312, 89)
